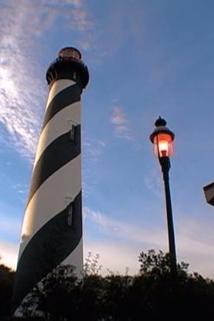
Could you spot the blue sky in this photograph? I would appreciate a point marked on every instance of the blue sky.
(145, 58)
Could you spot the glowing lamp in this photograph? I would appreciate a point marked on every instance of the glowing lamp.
(162, 138)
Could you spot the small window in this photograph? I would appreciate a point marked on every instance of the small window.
(70, 214)
(72, 133)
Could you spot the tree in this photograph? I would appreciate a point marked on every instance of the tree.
(158, 264)
(189, 295)
(149, 295)
(6, 289)
(51, 296)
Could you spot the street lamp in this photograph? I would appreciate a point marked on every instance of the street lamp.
(163, 138)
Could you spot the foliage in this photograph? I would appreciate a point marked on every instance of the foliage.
(188, 294)
(52, 295)
(6, 289)
(157, 265)
(91, 265)
(150, 295)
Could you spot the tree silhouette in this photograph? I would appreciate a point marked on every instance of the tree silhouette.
(149, 295)
(6, 289)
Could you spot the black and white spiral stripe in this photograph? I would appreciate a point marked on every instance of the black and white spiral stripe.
(52, 227)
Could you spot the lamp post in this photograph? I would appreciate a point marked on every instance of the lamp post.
(163, 138)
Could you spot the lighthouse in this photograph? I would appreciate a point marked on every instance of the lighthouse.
(52, 227)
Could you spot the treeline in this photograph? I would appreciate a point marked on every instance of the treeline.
(6, 289)
(152, 294)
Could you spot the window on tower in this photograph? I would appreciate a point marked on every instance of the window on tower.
(70, 53)
(70, 210)
(72, 133)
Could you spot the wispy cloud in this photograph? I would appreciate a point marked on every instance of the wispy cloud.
(94, 148)
(120, 123)
(114, 257)
(75, 14)
(126, 231)
(117, 26)
(122, 243)
(8, 254)
(153, 182)
(10, 226)
(20, 91)
(22, 27)
(194, 242)
(81, 19)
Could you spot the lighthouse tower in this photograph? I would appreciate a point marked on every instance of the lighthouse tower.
(52, 226)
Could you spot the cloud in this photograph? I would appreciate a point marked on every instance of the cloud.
(9, 254)
(81, 20)
(10, 226)
(116, 26)
(75, 14)
(75, 17)
(126, 231)
(114, 257)
(93, 148)
(195, 240)
(22, 28)
(19, 90)
(21, 189)
(122, 242)
(153, 182)
(120, 123)
(76, 3)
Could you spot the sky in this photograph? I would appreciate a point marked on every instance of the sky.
(145, 58)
